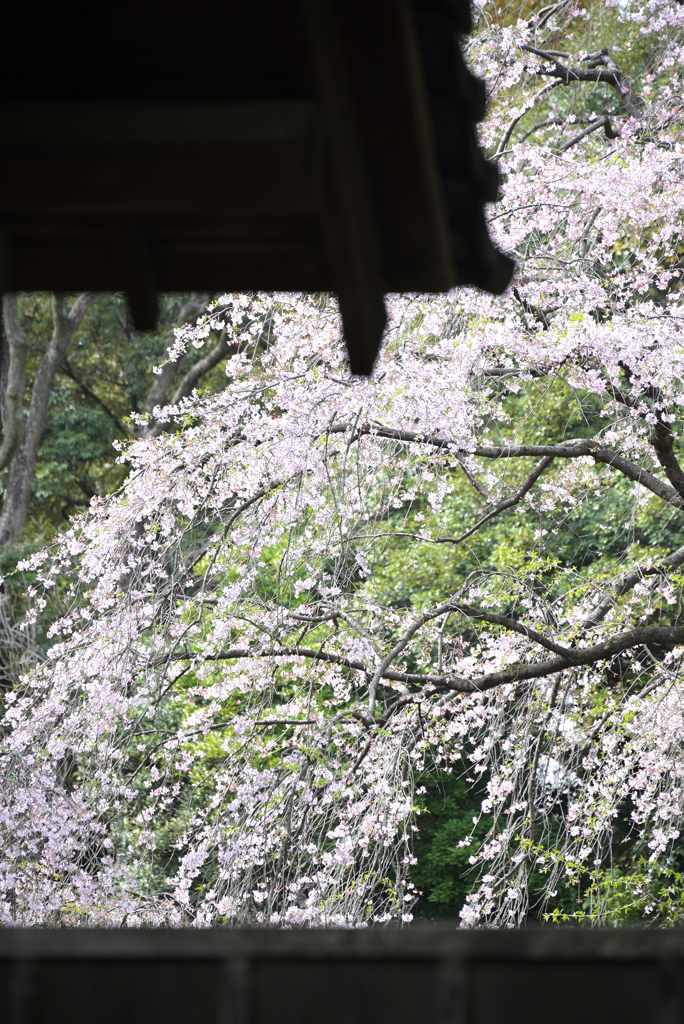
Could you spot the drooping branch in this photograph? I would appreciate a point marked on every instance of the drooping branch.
(202, 367)
(193, 376)
(158, 394)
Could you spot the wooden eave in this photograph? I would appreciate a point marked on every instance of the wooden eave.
(350, 165)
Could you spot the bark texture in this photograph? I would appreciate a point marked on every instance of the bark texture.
(23, 430)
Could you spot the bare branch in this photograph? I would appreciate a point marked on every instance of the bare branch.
(482, 491)
(541, 124)
(507, 503)
(400, 646)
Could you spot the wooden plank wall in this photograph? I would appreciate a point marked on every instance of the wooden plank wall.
(375, 976)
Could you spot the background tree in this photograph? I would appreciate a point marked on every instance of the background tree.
(22, 435)
(74, 377)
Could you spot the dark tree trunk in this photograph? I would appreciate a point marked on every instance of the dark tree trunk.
(22, 435)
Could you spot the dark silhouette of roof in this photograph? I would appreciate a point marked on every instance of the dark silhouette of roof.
(252, 145)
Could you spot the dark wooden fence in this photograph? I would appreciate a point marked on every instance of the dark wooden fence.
(422, 975)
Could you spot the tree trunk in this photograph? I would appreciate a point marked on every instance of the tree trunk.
(22, 466)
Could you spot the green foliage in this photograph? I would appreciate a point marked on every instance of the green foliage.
(650, 894)
(450, 815)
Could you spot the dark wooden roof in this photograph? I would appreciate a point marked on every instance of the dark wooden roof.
(256, 145)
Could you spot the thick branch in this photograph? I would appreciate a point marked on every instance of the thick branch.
(417, 624)
(670, 635)
(65, 324)
(571, 449)
(241, 653)
(661, 635)
(662, 439)
(600, 68)
(601, 122)
(662, 435)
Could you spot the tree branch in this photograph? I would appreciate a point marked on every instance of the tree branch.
(511, 128)
(662, 435)
(577, 657)
(201, 367)
(600, 68)
(533, 310)
(158, 393)
(573, 448)
(69, 372)
(241, 653)
(661, 635)
(541, 124)
(601, 122)
(515, 627)
(629, 581)
(584, 238)
(501, 507)
(662, 439)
